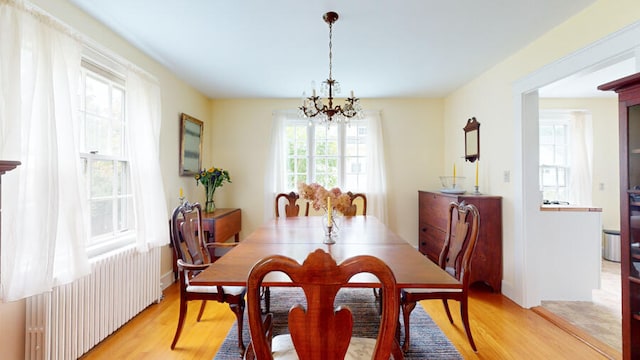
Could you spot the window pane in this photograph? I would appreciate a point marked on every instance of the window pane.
(125, 209)
(549, 177)
(101, 217)
(96, 91)
(546, 155)
(546, 134)
(101, 178)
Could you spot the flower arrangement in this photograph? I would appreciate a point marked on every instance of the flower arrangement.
(211, 180)
(318, 196)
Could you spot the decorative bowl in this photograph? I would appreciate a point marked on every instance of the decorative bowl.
(452, 184)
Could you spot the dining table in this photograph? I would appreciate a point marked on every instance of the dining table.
(296, 237)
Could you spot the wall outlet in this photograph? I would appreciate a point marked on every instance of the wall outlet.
(507, 176)
(601, 186)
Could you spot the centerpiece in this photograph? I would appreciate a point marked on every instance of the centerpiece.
(333, 202)
(211, 180)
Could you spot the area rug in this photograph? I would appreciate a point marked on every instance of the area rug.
(427, 341)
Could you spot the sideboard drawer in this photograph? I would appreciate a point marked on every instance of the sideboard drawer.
(430, 241)
(433, 209)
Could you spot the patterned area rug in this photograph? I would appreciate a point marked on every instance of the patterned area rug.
(427, 341)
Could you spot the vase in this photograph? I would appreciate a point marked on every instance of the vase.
(210, 204)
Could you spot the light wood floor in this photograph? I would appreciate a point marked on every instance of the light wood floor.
(501, 329)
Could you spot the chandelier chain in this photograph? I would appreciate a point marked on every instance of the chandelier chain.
(330, 49)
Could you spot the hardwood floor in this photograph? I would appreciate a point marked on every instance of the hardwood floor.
(501, 329)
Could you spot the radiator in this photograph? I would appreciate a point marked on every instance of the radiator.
(67, 322)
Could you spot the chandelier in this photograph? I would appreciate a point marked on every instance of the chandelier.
(313, 106)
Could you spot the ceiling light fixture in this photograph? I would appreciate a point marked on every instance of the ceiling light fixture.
(313, 107)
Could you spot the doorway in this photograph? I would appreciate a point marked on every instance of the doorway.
(601, 317)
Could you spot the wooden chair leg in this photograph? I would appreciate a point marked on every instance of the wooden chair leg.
(266, 295)
(238, 309)
(204, 303)
(183, 312)
(464, 314)
(407, 308)
(446, 308)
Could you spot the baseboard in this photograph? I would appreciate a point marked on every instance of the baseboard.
(166, 280)
(604, 349)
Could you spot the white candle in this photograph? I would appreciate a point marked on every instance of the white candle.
(454, 174)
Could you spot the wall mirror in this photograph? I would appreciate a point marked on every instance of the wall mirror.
(472, 140)
(190, 145)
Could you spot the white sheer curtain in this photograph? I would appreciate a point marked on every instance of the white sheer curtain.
(143, 112)
(581, 158)
(274, 177)
(43, 230)
(376, 186)
(377, 175)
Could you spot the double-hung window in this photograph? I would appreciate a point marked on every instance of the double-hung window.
(554, 157)
(333, 156)
(566, 148)
(105, 157)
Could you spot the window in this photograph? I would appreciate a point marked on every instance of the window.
(333, 156)
(105, 156)
(566, 153)
(554, 157)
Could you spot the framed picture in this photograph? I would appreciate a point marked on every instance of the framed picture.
(190, 145)
(472, 140)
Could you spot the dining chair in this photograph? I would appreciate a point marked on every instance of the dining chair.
(290, 207)
(192, 256)
(455, 258)
(358, 204)
(321, 330)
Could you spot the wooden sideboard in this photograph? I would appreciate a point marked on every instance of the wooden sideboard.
(486, 265)
(222, 224)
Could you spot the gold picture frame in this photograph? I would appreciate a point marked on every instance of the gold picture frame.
(191, 130)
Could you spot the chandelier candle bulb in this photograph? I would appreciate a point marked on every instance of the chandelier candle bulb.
(329, 220)
(181, 194)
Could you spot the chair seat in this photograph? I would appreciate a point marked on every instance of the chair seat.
(229, 290)
(427, 291)
(359, 348)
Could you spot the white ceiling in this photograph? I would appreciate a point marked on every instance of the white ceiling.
(382, 48)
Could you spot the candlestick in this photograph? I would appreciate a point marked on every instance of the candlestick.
(477, 173)
(329, 220)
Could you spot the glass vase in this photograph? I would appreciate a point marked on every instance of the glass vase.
(210, 206)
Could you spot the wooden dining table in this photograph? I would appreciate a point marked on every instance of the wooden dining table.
(296, 237)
